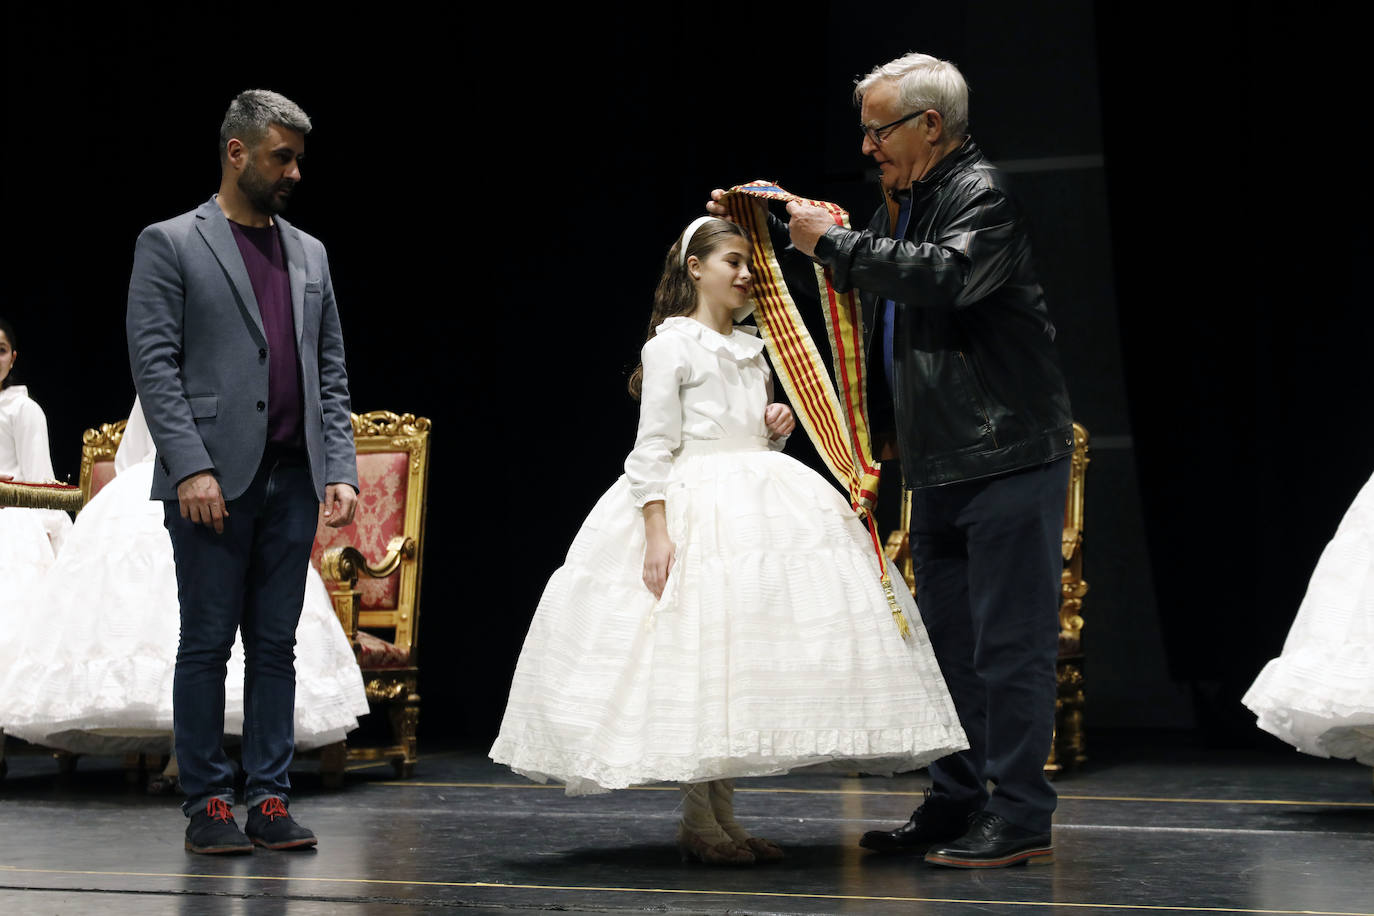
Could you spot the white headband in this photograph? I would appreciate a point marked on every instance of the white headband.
(687, 234)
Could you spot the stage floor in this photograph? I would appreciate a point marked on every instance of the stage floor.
(1157, 831)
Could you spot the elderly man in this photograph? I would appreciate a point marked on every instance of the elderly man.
(237, 355)
(981, 419)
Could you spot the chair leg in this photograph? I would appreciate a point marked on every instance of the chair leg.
(332, 760)
(405, 722)
(66, 762)
(134, 768)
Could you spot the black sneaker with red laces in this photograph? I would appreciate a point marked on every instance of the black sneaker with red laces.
(271, 827)
(212, 831)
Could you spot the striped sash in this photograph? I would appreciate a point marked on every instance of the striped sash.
(835, 417)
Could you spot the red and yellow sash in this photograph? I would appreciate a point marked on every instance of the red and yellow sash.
(834, 417)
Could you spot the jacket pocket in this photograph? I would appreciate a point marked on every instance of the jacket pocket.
(204, 406)
(974, 391)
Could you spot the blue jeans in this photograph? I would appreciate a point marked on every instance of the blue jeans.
(988, 561)
(251, 578)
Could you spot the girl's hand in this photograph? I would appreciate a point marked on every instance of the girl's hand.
(658, 563)
(779, 420)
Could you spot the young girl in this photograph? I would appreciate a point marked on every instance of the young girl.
(29, 538)
(720, 612)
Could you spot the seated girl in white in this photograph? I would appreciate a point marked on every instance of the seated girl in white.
(92, 672)
(29, 538)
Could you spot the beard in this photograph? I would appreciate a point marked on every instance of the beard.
(261, 192)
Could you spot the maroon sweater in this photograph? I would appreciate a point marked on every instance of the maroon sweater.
(266, 263)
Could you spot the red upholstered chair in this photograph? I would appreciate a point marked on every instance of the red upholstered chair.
(98, 447)
(373, 569)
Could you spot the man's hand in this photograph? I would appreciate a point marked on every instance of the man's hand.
(779, 420)
(716, 208)
(807, 225)
(201, 501)
(340, 500)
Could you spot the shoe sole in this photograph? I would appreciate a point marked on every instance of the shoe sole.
(219, 850)
(1043, 855)
(289, 844)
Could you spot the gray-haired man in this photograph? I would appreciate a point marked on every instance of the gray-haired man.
(237, 355)
(979, 412)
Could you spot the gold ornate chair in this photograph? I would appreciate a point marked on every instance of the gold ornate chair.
(373, 568)
(98, 447)
(1069, 749)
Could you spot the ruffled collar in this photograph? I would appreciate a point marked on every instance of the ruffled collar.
(13, 393)
(743, 343)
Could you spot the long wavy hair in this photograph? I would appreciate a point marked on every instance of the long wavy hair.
(676, 293)
(8, 330)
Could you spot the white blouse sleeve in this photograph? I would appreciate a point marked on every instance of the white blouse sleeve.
(31, 441)
(666, 369)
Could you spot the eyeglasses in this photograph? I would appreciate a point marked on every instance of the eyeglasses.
(879, 134)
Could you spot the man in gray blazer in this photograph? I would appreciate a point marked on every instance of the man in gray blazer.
(238, 358)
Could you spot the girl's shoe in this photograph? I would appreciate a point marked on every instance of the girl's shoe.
(764, 850)
(722, 794)
(693, 847)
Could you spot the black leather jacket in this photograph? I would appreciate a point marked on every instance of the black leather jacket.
(977, 388)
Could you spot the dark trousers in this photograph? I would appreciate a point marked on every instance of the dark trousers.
(988, 564)
(251, 578)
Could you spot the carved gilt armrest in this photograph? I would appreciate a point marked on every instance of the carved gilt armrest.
(345, 564)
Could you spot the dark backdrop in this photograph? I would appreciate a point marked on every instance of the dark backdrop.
(497, 190)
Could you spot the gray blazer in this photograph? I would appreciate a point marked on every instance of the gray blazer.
(199, 354)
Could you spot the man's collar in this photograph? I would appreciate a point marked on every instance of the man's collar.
(956, 157)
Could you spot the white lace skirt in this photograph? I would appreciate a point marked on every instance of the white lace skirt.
(88, 650)
(1318, 695)
(773, 646)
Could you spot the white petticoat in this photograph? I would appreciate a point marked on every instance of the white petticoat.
(773, 646)
(26, 551)
(87, 652)
(1318, 695)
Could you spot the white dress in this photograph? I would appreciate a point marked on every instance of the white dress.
(1318, 695)
(87, 663)
(773, 646)
(29, 538)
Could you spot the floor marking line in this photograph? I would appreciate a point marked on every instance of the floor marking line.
(14, 869)
(417, 784)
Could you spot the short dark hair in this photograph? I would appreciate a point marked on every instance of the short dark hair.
(8, 330)
(252, 111)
